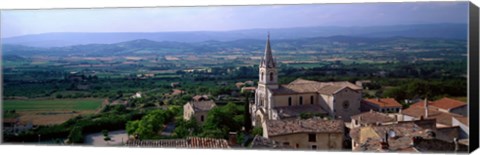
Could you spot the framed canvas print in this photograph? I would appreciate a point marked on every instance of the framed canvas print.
(355, 77)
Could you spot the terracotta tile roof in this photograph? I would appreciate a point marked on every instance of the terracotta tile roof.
(438, 146)
(248, 89)
(441, 117)
(202, 105)
(383, 102)
(372, 117)
(200, 97)
(447, 103)
(312, 125)
(302, 81)
(444, 103)
(190, 142)
(307, 86)
(239, 84)
(421, 103)
(177, 91)
(370, 138)
(295, 111)
(330, 89)
(402, 128)
(260, 142)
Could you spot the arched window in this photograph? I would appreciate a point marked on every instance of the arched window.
(311, 99)
(261, 79)
(271, 76)
(301, 100)
(289, 101)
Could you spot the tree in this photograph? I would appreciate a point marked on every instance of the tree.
(221, 120)
(246, 114)
(186, 128)
(257, 131)
(76, 135)
(150, 125)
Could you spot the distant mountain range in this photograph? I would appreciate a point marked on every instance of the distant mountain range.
(144, 46)
(443, 31)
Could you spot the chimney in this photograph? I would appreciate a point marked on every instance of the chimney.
(232, 138)
(386, 138)
(455, 141)
(384, 143)
(426, 107)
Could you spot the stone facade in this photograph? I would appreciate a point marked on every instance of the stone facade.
(338, 100)
(314, 133)
(197, 110)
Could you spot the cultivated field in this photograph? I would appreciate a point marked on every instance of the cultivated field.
(51, 111)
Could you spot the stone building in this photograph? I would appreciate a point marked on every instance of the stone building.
(446, 105)
(197, 110)
(371, 118)
(313, 133)
(199, 98)
(404, 136)
(425, 110)
(275, 102)
(260, 142)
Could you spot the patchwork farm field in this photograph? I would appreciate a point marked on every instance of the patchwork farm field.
(51, 111)
(54, 105)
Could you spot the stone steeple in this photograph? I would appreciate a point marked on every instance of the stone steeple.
(267, 60)
(268, 74)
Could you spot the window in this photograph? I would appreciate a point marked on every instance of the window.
(289, 101)
(312, 137)
(271, 76)
(314, 147)
(297, 146)
(301, 100)
(346, 104)
(261, 79)
(286, 143)
(201, 118)
(311, 99)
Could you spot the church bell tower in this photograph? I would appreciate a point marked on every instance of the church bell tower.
(268, 74)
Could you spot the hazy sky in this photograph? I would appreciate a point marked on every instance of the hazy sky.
(23, 22)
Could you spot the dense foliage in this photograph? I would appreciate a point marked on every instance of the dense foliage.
(75, 129)
(152, 124)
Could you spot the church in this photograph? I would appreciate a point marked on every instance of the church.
(338, 100)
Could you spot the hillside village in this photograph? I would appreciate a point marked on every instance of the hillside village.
(258, 113)
(313, 115)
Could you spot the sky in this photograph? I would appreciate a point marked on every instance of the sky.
(224, 18)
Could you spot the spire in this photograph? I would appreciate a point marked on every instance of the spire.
(268, 58)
